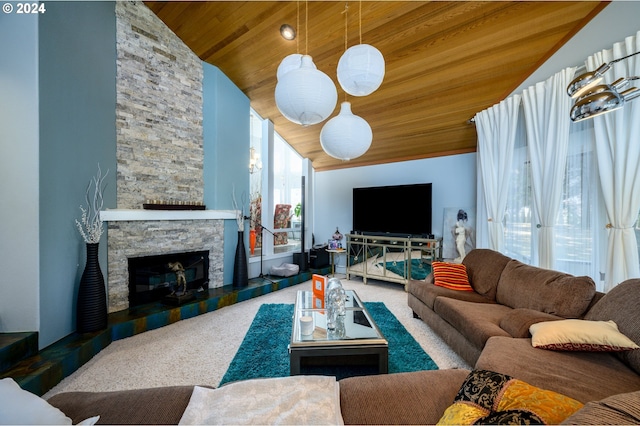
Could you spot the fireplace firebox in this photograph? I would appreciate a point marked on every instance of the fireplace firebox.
(151, 278)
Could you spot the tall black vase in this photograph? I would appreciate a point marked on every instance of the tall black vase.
(240, 270)
(91, 314)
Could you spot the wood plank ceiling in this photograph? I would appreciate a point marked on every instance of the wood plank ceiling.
(445, 61)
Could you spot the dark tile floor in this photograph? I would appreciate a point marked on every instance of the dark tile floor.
(42, 371)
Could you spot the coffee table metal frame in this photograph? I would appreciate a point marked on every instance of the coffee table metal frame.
(362, 337)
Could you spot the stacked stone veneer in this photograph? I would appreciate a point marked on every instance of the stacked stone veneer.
(147, 238)
(158, 111)
(159, 148)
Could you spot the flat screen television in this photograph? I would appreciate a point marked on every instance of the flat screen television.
(399, 210)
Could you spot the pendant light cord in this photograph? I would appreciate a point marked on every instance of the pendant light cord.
(360, 21)
(306, 27)
(298, 25)
(346, 26)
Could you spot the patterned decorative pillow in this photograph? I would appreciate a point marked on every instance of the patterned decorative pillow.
(451, 275)
(487, 397)
(580, 335)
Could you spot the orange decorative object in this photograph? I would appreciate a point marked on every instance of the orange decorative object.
(252, 241)
(319, 283)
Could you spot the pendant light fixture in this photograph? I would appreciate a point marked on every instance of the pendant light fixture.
(582, 83)
(304, 95)
(346, 136)
(593, 99)
(603, 98)
(361, 68)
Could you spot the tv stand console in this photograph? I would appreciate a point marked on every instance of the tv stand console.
(393, 259)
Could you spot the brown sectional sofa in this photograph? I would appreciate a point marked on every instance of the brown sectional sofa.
(509, 296)
(488, 327)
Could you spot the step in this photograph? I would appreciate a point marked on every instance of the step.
(41, 372)
(15, 347)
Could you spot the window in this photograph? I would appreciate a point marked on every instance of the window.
(580, 222)
(518, 219)
(287, 191)
(276, 191)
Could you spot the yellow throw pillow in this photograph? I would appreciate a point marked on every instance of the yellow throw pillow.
(580, 335)
(487, 397)
(451, 275)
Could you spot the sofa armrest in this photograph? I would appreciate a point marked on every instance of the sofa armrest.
(163, 405)
(620, 409)
(420, 397)
(518, 321)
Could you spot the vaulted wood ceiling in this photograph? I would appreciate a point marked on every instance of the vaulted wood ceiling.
(445, 61)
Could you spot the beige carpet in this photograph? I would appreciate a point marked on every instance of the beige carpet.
(198, 351)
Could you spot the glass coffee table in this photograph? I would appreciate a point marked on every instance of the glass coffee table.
(355, 341)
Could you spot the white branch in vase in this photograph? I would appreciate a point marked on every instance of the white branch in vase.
(239, 211)
(90, 225)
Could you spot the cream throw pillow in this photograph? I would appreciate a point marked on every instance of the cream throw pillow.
(18, 406)
(580, 335)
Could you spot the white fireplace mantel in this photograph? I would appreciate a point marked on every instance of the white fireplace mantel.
(114, 215)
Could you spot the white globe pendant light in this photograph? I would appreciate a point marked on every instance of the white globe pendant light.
(291, 62)
(305, 95)
(361, 70)
(346, 136)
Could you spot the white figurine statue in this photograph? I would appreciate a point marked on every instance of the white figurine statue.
(461, 233)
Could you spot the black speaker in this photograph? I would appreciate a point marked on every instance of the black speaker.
(301, 260)
(318, 258)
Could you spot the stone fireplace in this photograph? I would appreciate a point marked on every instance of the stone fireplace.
(154, 278)
(159, 152)
(139, 233)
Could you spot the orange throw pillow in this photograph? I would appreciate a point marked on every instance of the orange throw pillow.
(451, 275)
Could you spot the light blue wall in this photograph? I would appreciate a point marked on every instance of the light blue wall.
(226, 153)
(77, 131)
(620, 19)
(453, 178)
(19, 289)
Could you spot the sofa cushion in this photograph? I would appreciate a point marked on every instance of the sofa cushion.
(451, 275)
(417, 398)
(163, 405)
(476, 321)
(620, 305)
(585, 376)
(484, 268)
(427, 292)
(544, 290)
(518, 321)
(487, 397)
(621, 409)
(580, 335)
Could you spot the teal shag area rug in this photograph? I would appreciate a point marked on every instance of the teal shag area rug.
(264, 350)
(419, 270)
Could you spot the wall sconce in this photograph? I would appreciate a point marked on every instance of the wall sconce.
(603, 98)
(255, 163)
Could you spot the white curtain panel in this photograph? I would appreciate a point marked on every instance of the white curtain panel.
(546, 111)
(618, 152)
(496, 128)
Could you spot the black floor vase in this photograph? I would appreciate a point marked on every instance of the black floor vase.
(91, 314)
(240, 269)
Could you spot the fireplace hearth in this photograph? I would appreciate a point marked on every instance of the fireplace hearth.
(153, 278)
